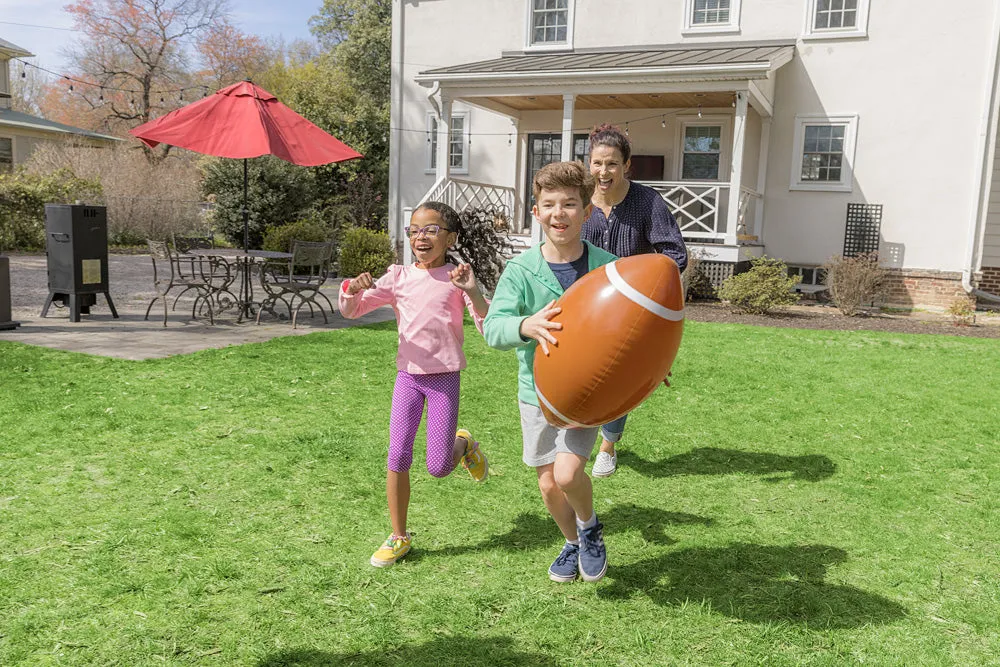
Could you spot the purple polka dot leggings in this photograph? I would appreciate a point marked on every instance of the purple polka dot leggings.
(440, 391)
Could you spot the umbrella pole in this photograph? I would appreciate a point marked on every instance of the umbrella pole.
(246, 307)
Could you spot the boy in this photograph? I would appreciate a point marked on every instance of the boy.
(520, 317)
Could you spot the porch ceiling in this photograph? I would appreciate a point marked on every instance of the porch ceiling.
(623, 101)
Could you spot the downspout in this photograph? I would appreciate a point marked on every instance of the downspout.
(396, 120)
(987, 152)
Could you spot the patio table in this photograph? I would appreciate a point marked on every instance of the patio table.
(244, 263)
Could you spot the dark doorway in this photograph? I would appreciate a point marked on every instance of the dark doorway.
(543, 149)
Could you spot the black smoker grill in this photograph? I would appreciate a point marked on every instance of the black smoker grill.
(76, 241)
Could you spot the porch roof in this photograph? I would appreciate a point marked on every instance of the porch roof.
(702, 62)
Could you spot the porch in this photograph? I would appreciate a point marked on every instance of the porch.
(698, 119)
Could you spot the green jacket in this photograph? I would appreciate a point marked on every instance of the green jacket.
(525, 287)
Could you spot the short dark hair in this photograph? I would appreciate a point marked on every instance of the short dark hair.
(609, 135)
(557, 175)
(449, 216)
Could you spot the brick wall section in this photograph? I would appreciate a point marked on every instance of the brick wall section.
(991, 280)
(916, 288)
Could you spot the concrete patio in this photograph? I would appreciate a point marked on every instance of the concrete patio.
(133, 337)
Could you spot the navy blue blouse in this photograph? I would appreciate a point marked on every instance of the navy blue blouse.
(641, 223)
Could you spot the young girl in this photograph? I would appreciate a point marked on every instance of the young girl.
(428, 297)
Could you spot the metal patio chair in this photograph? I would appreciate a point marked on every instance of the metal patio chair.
(298, 279)
(170, 271)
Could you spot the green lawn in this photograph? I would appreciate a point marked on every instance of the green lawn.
(796, 496)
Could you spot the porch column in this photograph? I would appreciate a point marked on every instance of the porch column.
(569, 102)
(736, 168)
(519, 219)
(443, 156)
(765, 140)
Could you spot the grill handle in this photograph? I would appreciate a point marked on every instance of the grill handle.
(60, 237)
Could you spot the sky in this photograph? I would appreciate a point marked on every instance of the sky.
(288, 19)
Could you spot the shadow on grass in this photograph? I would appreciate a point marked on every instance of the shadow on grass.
(533, 531)
(714, 461)
(755, 583)
(446, 651)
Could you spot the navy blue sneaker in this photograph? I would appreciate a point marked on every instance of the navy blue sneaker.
(564, 567)
(593, 555)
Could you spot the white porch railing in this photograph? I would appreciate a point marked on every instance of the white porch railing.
(462, 194)
(699, 207)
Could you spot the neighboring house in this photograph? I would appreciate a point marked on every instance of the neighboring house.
(763, 124)
(21, 133)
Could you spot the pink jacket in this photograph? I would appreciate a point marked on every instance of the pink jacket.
(429, 311)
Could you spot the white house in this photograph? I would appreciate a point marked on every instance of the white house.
(21, 133)
(799, 129)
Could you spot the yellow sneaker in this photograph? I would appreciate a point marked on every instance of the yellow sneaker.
(474, 460)
(395, 547)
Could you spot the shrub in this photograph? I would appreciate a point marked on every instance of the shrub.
(855, 281)
(694, 279)
(277, 192)
(280, 238)
(765, 287)
(962, 311)
(144, 198)
(23, 197)
(363, 250)
(483, 244)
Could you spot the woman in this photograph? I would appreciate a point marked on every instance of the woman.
(628, 219)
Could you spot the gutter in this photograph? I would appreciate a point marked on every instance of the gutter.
(395, 120)
(987, 150)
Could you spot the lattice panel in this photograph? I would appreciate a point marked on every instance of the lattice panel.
(864, 224)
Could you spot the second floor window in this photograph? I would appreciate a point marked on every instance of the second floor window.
(835, 14)
(550, 22)
(710, 12)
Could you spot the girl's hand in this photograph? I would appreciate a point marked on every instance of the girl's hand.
(362, 282)
(463, 278)
(539, 325)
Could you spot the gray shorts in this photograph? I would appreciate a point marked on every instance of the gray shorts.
(542, 441)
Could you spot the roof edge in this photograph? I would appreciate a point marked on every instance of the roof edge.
(751, 44)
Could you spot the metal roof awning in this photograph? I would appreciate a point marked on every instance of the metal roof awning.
(704, 62)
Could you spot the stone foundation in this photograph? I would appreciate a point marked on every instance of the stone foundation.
(921, 288)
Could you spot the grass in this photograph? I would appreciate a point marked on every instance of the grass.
(796, 497)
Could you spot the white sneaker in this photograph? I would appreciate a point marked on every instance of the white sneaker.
(605, 465)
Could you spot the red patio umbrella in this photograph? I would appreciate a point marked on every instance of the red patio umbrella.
(244, 121)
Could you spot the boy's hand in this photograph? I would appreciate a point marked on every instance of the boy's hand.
(463, 278)
(362, 282)
(539, 326)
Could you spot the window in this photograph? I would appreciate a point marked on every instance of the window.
(836, 18)
(702, 152)
(824, 153)
(6, 155)
(459, 148)
(711, 16)
(550, 24)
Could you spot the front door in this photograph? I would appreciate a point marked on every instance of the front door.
(543, 149)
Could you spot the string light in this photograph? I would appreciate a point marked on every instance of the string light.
(82, 82)
(699, 111)
(663, 122)
(626, 129)
(101, 98)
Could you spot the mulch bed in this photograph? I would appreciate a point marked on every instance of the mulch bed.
(828, 317)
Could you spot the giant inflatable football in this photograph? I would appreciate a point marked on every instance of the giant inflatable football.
(622, 326)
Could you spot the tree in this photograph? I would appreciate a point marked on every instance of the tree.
(27, 90)
(229, 55)
(346, 90)
(137, 45)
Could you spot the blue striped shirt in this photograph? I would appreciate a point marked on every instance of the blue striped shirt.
(641, 223)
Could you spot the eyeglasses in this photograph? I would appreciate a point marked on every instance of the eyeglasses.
(430, 231)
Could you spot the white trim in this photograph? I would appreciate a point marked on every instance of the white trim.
(846, 183)
(744, 70)
(431, 120)
(548, 46)
(640, 299)
(725, 143)
(860, 29)
(691, 28)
